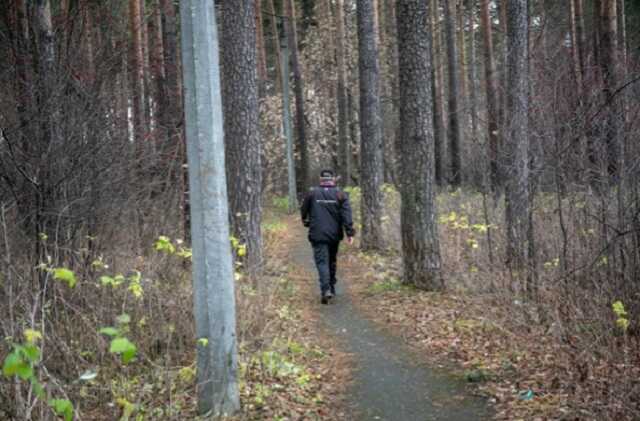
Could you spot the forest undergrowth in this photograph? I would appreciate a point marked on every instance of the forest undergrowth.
(114, 340)
(558, 356)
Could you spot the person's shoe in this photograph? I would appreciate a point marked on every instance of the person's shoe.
(333, 289)
(326, 296)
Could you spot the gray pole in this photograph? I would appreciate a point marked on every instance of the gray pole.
(286, 117)
(214, 300)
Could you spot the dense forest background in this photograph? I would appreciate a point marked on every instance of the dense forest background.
(531, 164)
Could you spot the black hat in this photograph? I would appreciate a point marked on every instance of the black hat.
(327, 174)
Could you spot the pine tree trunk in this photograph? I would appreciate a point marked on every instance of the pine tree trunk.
(144, 29)
(420, 246)
(260, 46)
(491, 91)
(389, 69)
(575, 49)
(136, 72)
(472, 69)
(439, 134)
(241, 126)
(275, 39)
(302, 172)
(517, 196)
(371, 163)
(173, 118)
(608, 67)
(455, 132)
(580, 35)
(157, 73)
(344, 150)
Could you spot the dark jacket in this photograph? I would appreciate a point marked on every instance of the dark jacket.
(326, 211)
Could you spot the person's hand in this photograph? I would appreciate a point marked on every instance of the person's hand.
(349, 240)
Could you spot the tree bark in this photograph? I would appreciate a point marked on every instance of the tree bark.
(389, 89)
(491, 91)
(276, 44)
(472, 68)
(344, 150)
(517, 196)
(455, 132)
(136, 72)
(173, 118)
(439, 127)
(260, 47)
(241, 126)
(157, 73)
(371, 163)
(575, 48)
(420, 246)
(302, 172)
(608, 68)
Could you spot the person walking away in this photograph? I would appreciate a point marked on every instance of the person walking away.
(327, 213)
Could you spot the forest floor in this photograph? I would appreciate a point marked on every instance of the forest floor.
(522, 372)
(417, 355)
(389, 381)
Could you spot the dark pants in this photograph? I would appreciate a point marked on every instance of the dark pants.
(325, 256)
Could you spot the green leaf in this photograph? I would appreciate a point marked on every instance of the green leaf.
(25, 371)
(123, 319)
(11, 364)
(109, 331)
(106, 280)
(65, 275)
(124, 347)
(32, 353)
(37, 388)
(32, 335)
(619, 309)
(62, 407)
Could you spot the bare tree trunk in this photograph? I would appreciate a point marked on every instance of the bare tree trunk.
(608, 67)
(622, 33)
(597, 13)
(241, 126)
(455, 132)
(420, 246)
(276, 44)
(575, 48)
(439, 134)
(517, 197)
(157, 73)
(389, 70)
(144, 36)
(371, 163)
(48, 114)
(580, 35)
(344, 150)
(491, 90)
(460, 34)
(473, 96)
(302, 172)
(173, 118)
(136, 72)
(260, 47)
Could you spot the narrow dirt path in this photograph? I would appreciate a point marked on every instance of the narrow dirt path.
(389, 382)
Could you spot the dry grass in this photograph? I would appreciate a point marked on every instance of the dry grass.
(287, 371)
(564, 345)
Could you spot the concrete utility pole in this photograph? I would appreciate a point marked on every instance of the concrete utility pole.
(213, 284)
(286, 116)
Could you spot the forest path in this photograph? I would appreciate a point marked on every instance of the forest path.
(389, 381)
